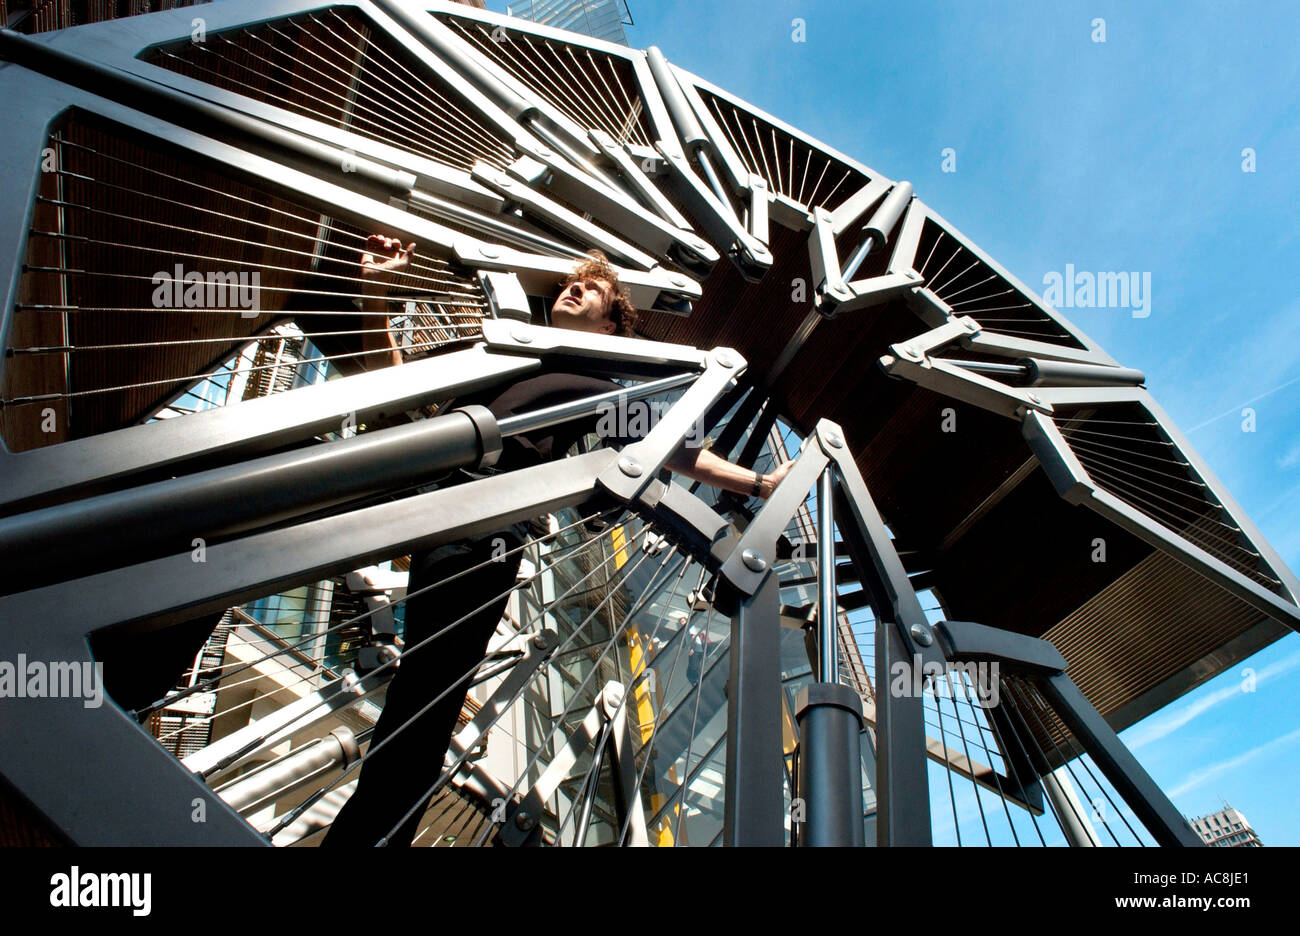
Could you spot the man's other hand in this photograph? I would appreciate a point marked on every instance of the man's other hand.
(383, 257)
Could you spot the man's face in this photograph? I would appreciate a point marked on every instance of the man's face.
(584, 306)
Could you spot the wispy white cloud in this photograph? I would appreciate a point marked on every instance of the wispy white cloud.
(1169, 721)
(1238, 408)
(1199, 777)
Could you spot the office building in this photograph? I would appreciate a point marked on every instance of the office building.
(1227, 828)
(600, 19)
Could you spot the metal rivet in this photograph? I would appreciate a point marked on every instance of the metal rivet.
(524, 820)
(541, 642)
(678, 281)
(522, 335)
(504, 181)
(921, 635)
(1033, 397)
(725, 360)
(834, 441)
(753, 560)
(490, 252)
(630, 467)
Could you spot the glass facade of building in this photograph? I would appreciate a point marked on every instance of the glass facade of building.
(601, 19)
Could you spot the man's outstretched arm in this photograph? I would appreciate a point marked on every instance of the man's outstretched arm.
(383, 258)
(702, 465)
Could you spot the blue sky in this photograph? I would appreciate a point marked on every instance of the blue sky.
(1117, 156)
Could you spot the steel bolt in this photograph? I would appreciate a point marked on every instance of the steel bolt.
(754, 560)
(524, 820)
(490, 252)
(834, 441)
(921, 634)
(630, 467)
(522, 335)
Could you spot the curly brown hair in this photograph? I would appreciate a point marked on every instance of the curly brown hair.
(621, 311)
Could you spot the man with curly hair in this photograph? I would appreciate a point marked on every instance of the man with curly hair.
(592, 299)
(453, 625)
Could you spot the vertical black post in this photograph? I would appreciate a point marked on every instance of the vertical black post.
(754, 813)
(829, 715)
(830, 765)
(902, 783)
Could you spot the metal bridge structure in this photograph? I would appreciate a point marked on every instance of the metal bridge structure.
(994, 550)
